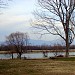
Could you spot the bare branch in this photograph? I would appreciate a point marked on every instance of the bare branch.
(62, 11)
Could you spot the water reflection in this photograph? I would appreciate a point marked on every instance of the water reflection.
(32, 55)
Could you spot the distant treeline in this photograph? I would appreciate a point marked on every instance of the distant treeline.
(49, 47)
(40, 47)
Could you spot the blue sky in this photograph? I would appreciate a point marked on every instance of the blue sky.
(17, 16)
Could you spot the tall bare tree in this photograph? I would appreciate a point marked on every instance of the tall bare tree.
(18, 40)
(57, 17)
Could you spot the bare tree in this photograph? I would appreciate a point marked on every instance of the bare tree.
(18, 40)
(57, 17)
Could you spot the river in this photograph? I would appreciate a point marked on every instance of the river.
(32, 55)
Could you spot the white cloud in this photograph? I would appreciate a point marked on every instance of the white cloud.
(9, 19)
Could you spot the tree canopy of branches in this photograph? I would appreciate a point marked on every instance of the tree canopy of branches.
(57, 17)
(17, 41)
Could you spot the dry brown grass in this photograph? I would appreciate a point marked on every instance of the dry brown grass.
(37, 67)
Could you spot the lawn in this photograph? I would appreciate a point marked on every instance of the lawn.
(37, 67)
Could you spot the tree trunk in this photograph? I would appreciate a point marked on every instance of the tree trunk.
(67, 34)
(12, 55)
(67, 47)
(20, 55)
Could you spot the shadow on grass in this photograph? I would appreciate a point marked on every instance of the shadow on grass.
(63, 58)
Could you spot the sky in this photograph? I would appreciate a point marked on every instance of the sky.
(17, 17)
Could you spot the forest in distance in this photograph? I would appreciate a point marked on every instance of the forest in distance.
(37, 48)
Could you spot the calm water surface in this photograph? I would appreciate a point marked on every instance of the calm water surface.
(32, 55)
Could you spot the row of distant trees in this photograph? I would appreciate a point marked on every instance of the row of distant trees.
(4, 47)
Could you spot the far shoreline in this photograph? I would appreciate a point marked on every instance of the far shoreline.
(36, 51)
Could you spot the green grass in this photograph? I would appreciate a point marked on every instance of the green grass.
(38, 67)
(65, 59)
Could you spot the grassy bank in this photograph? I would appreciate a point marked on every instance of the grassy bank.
(37, 67)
